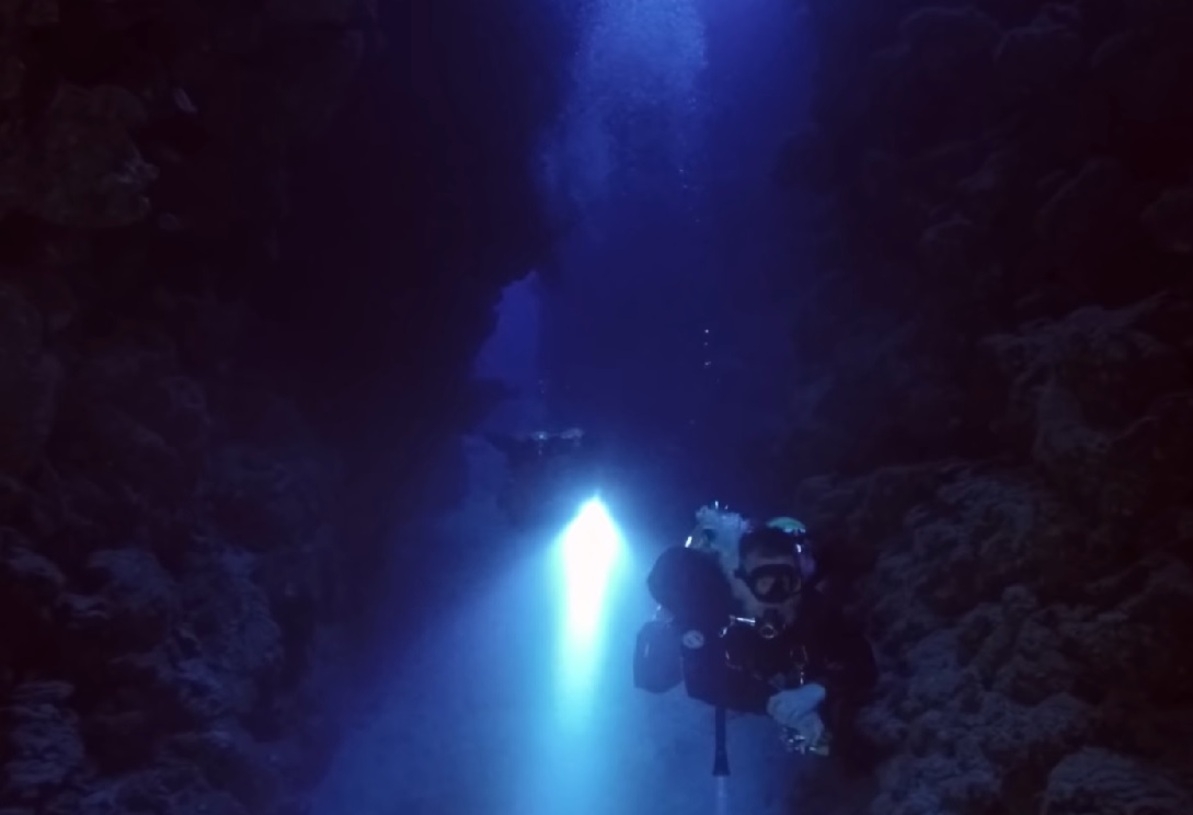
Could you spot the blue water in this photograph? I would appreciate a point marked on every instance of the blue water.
(662, 326)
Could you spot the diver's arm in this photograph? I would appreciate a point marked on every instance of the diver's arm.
(502, 442)
(517, 450)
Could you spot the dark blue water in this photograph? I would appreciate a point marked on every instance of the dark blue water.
(661, 328)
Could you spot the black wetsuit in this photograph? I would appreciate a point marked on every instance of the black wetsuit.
(734, 667)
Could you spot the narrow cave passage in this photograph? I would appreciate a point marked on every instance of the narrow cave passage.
(300, 516)
(659, 328)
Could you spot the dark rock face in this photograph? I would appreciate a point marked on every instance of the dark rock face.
(1002, 392)
(201, 435)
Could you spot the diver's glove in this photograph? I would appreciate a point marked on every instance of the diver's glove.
(795, 710)
(790, 707)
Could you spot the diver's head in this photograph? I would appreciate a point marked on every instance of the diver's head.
(799, 536)
(769, 570)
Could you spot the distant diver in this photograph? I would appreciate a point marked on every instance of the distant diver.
(743, 624)
(549, 473)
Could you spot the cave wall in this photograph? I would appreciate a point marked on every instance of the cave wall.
(993, 433)
(245, 261)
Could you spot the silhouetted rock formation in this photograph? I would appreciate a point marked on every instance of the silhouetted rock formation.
(212, 417)
(1003, 394)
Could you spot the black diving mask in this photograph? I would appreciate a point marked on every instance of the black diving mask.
(772, 582)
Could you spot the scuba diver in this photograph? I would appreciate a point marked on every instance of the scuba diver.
(743, 626)
(547, 471)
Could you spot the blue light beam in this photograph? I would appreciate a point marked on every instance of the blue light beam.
(590, 552)
(590, 548)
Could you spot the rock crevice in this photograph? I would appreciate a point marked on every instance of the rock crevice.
(1009, 176)
(214, 383)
